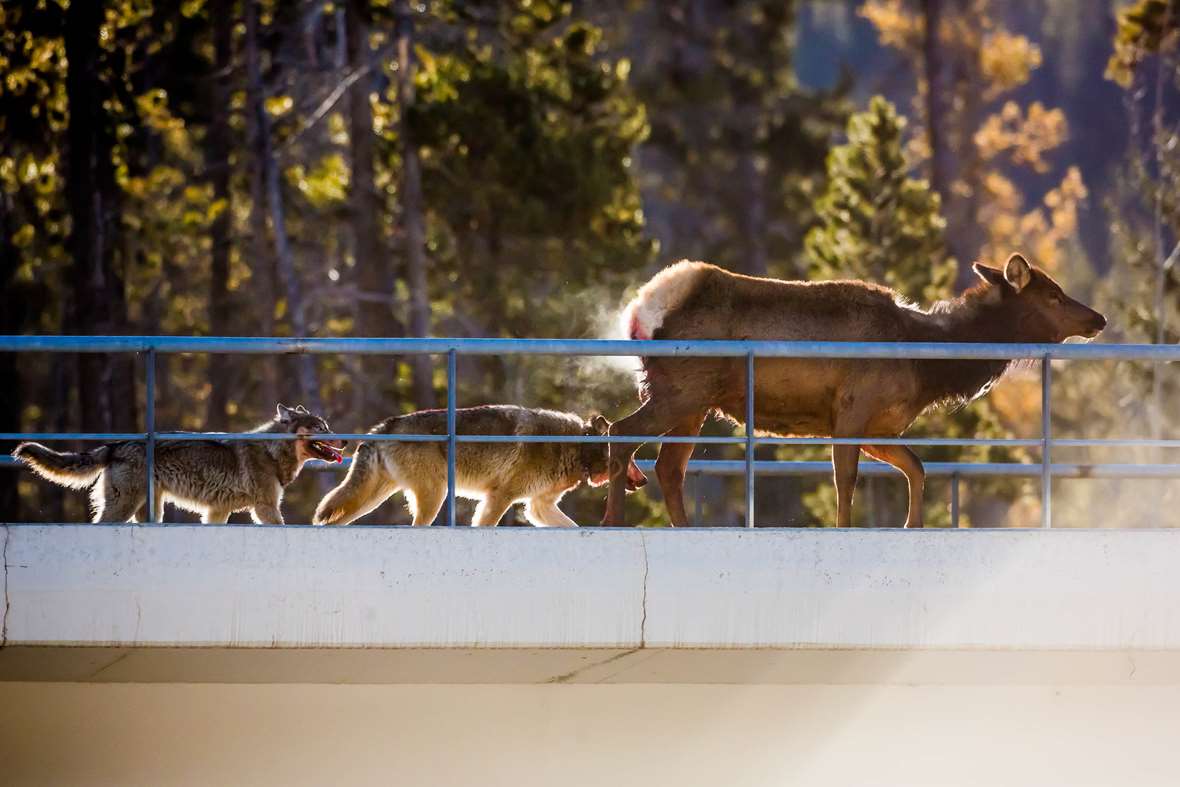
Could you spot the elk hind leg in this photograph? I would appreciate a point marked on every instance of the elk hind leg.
(654, 418)
(671, 465)
(845, 461)
(905, 460)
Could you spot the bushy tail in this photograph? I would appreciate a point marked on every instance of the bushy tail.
(363, 489)
(77, 471)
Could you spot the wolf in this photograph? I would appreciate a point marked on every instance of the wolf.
(213, 478)
(498, 475)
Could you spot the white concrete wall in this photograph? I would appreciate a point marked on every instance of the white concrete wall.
(523, 588)
(568, 736)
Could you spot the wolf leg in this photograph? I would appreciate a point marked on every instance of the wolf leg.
(364, 488)
(113, 504)
(267, 514)
(490, 511)
(425, 504)
(215, 516)
(543, 512)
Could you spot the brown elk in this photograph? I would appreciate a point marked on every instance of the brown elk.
(822, 397)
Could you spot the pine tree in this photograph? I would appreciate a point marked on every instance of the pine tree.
(876, 222)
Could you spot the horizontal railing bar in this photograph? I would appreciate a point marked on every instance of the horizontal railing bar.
(111, 437)
(1124, 442)
(936, 469)
(269, 436)
(1005, 442)
(1009, 442)
(651, 348)
(871, 468)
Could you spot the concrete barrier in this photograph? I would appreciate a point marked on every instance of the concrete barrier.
(376, 605)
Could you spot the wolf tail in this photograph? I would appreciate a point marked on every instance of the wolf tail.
(76, 471)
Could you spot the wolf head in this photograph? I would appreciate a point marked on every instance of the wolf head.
(301, 421)
(596, 457)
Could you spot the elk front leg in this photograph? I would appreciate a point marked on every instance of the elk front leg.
(845, 459)
(905, 460)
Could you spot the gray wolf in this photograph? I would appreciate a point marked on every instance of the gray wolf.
(214, 478)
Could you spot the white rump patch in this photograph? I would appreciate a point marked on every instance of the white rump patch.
(664, 292)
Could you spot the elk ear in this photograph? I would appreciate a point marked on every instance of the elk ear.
(988, 274)
(283, 413)
(1018, 272)
(600, 425)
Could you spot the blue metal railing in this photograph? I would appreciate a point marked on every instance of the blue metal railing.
(151, 346)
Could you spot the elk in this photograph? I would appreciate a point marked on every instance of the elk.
(820, 397)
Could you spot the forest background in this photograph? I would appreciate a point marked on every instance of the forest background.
(516, 168)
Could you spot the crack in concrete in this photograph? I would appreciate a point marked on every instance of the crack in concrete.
(7, 602)
(611, 676)
(643, 620)
(574, 674)
(106, 667)
(571, 675)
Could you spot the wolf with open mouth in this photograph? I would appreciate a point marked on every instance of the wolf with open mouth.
(213, 478)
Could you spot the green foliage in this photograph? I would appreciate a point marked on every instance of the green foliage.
(877, 222)
(1143, 27)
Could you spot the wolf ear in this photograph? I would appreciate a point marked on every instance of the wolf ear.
(988, 273)
(599, 424)
(1017, 272)
(283, 413)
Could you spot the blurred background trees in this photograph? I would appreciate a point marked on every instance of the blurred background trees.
(517, 167)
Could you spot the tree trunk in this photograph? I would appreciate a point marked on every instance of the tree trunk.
(932, 62)
(12, 320)
(305, 374)
(217, 164)
(309, 390)
(99, 302)
(374, 272)
(413, 220)
(753, 219)
(266, 287)
(1164, 68)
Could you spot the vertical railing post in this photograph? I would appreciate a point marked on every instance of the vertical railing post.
(452, 373)
(1046, 442)
(150, 424)
(750, 439)
(954, 499)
